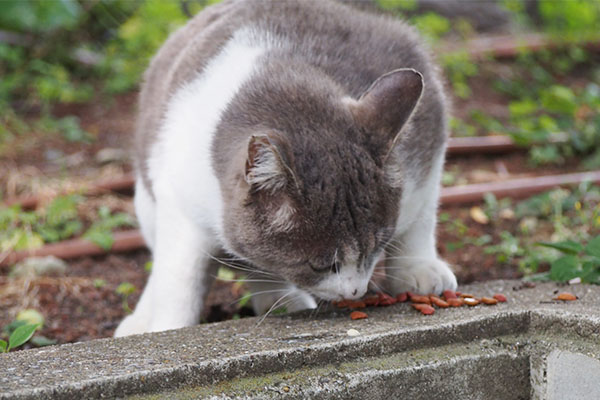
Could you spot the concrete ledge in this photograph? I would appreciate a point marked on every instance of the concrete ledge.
(397, 352)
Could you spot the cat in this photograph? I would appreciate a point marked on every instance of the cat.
(303, 138)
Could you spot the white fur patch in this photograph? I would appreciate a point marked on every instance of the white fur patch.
(180, 160)
(416, 198)
(283, 218)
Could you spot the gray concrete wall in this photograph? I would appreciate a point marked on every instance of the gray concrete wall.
(519, 349)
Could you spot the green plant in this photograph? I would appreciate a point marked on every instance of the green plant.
(459, 68)
(508, 249)
(577, 260)
(100, 232)
(18, 337)
(125, 290)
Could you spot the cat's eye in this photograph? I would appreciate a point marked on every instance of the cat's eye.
(333, 267)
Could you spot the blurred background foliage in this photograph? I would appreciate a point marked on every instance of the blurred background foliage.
(74, 51)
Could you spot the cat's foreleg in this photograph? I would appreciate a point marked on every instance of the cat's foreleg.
(412, 263)
(180, 278)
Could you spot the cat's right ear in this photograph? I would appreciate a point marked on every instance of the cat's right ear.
(384, 108)
(268, 164)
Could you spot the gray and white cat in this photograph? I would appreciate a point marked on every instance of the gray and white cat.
(305, 138)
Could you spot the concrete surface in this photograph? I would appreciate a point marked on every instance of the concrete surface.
(517, 350)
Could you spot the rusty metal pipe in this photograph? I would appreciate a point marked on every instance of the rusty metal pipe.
(68, 249)
(515, 188)
(122, 184)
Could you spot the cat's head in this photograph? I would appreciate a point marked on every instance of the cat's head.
(315, 190)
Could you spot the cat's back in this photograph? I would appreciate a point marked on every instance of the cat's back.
(353, 47)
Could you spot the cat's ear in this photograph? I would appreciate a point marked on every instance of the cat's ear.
(386, 106)
(267, 164)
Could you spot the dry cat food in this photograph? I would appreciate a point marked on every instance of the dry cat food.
(426, 303)
(358, 315)
(424, 308)
(565, 296)
(500, 297)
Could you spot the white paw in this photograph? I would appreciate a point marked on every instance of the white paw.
(422, 276)
(132, 325)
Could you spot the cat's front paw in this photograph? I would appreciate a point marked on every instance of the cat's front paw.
(422, 276)
(132, 325)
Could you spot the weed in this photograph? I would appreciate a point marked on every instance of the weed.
(125, 290)
(577, 260)
(100, 232)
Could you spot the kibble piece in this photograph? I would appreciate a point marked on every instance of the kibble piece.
(402, 297)
(386, 299)
(424, 308)
(470, 301)
(356, 304)
(466, 295)
(372, 300)
(420, 299)
(449, 294)
(342, 303)
(457, 302)
(500, 297)
(358, 315)
(438, 302)
(489, 301)
(565, 296)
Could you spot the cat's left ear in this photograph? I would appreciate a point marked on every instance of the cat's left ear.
(384, 108)
(268, 163)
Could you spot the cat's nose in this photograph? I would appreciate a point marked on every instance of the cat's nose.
(354, 292)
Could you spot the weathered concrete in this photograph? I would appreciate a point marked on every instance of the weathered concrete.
(499, 352)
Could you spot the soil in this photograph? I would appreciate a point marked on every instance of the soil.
(84, 305)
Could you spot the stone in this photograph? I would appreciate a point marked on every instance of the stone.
(518, 349)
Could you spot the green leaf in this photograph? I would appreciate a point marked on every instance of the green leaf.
(564, 268)
(568, 246)
(125, 289)
(593, 247)
(31, 316)
(101, 237)
(21, 335)
(560, 99)
(3, 346)
(41, 341)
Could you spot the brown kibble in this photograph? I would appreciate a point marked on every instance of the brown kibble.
(386, 299)
(457, 302)
(342, 303)
(449, 294)
(500, 297)
(358, 315)
(402, 297)
(470, 301)
(565, 296)
(489, 301)
(438, 302)
(356, 304)
(458, 294)
(465, 295)
(372, 301)
(420, 299)
(424, 308)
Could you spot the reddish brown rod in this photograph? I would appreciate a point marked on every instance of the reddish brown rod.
(510, 46)
(481, 145)
(122, 184)
(67, 249)
(515, 188)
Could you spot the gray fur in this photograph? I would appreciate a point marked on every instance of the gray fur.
(336, 154)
